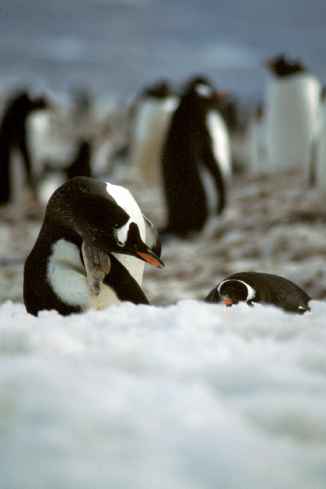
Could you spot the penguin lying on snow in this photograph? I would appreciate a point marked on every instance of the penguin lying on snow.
(89, 250)
(195, 160)
(251, 287)
(13, 136)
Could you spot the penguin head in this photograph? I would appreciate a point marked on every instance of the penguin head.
(283, 66)
(233, 291)
(92, 209)
(158, 90)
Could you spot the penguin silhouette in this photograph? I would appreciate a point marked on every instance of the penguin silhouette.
(191, 160)
(13, 137)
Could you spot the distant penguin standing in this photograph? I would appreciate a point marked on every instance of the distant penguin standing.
(91, 250)
(13, 138)
(196, 161)
(265, 288)
(152, 114)
(320, 175)
(257, 141)
(53, 177)
(292, 104)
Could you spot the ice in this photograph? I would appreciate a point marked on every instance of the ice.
(187, 396)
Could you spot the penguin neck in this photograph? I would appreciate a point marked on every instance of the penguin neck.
(53, 231)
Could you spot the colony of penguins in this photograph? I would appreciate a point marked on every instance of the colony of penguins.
(183, 143)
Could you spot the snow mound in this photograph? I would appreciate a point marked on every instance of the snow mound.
(182, 397)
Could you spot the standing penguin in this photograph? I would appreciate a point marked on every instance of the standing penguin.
(53, 176)
(251, 287)
(13, 137)
(152, 114)
(257, 141)
(320, 175)
(292, 104)
(91, 250)
(196, 154)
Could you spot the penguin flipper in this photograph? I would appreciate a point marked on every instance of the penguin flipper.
(212, 166)
(124, 285)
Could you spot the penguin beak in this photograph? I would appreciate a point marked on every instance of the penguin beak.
(227, 301)
(148, 256)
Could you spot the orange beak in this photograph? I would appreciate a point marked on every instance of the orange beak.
(152, 260)
(227, 301)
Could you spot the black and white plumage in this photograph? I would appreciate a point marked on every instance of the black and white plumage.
(265, 288)
(91, 250)
(196, 161)
(153, 110)
(13, 138)
(292, 115)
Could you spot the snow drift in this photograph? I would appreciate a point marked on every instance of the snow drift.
(186, 396)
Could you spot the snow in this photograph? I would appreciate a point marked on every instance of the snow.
(187, 396)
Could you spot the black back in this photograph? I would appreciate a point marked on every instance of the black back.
(13, 136)
(271, 289)
(188, 146)
(81, 164)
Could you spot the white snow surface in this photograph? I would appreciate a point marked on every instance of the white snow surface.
(181, 397)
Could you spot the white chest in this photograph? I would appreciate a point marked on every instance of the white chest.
(67, 278)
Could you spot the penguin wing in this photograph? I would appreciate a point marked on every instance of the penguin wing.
(291, 299)
(123, 284)
(213, 167)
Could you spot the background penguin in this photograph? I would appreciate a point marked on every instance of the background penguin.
(320, 175)
(151, 118)
(292, 104)
(265, 288)
(13, 137)
(52, 176)
(196, 153)
(257, 141)
(86, 215)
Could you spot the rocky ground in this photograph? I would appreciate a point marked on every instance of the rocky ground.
(274, 223)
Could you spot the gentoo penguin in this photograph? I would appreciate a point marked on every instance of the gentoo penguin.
(292, 104)
(196, 160)
(152, 114)
(91, 250)
(320, 175)
(257, 140)
(13, 137)
(252, 287)
(53, 176)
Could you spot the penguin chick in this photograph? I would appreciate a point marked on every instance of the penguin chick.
(265, 288)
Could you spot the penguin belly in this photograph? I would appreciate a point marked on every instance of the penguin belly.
(152, 122)
(321, 153)
(220, 141)
(292, 121)
(257, 147)
(67, 278)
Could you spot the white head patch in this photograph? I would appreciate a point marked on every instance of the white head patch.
(126, 201)
(251, 293)
(204, 90)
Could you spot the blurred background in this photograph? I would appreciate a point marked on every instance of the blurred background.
(117, 46)
(93, 58)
